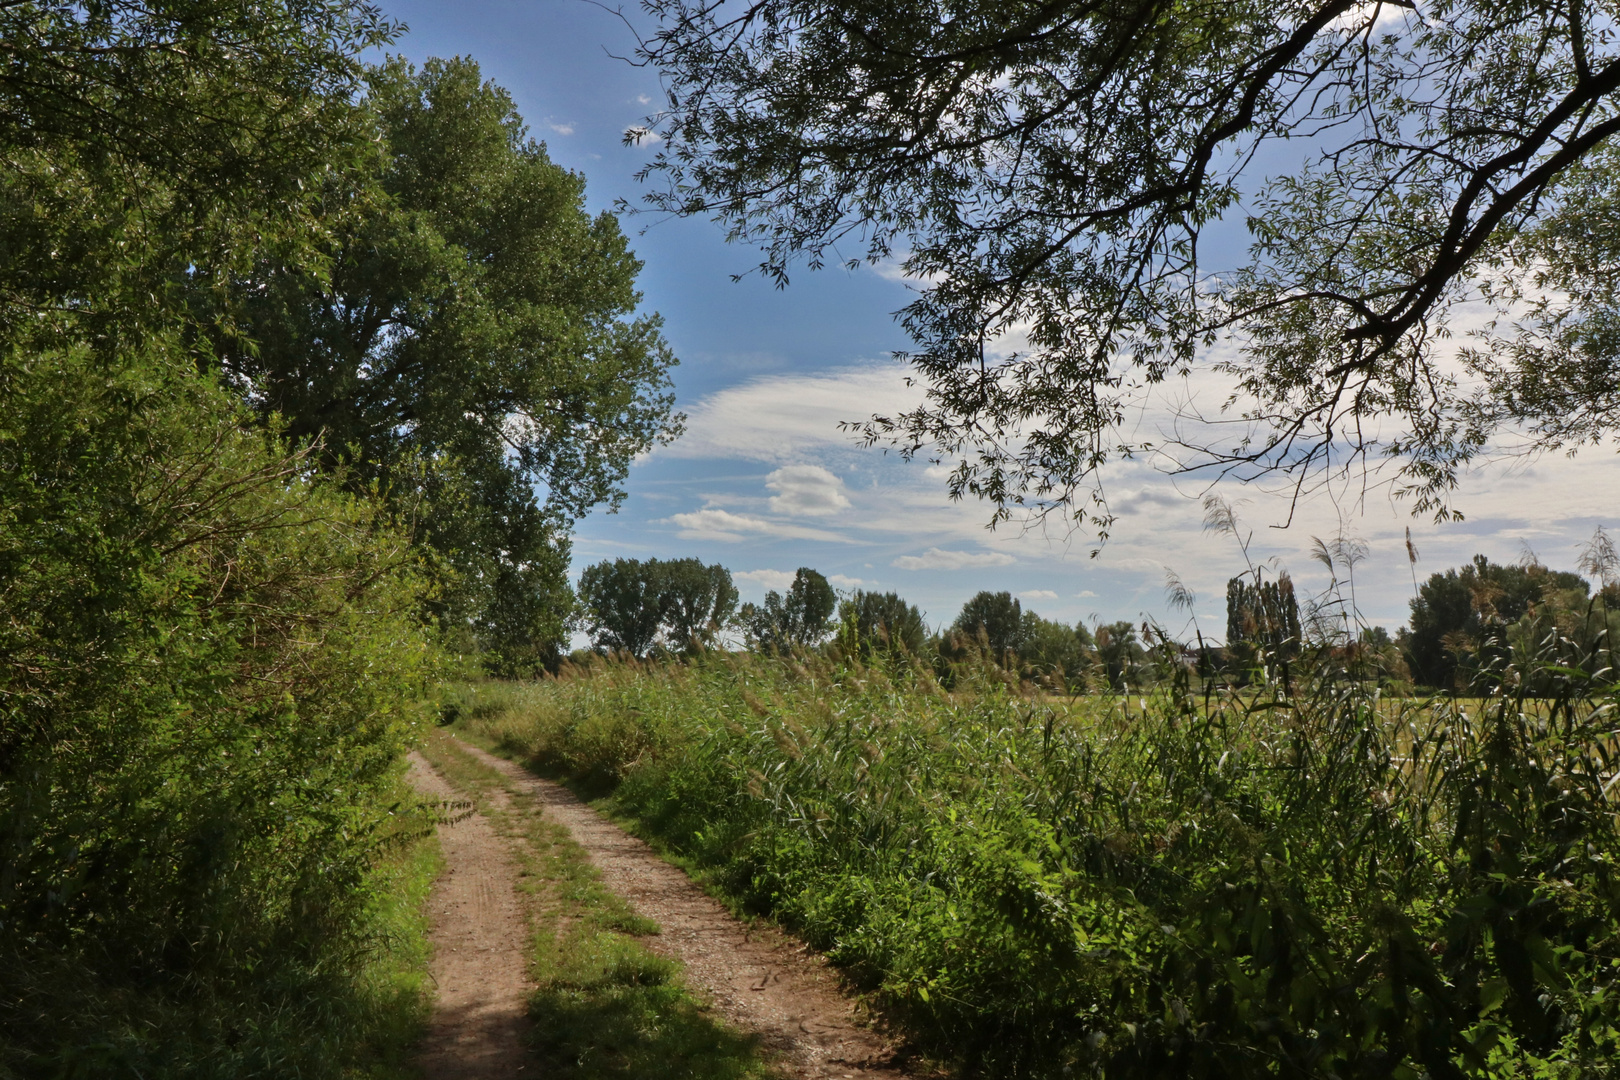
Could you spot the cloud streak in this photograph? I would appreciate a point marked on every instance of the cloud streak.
(713, 523)
(786, 419)
(939, 559)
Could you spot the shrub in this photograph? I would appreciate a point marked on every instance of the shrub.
(211, 668)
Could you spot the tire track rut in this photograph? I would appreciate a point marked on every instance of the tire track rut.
(758, 978)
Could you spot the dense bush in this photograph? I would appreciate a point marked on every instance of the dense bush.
(211, 665)
(1329, 885)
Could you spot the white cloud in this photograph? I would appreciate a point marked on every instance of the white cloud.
(1085, 594)
(785, 419)
(643, 99)
(778, 580)
(807, 491)
(642, 136)
(782, 580)
(561, 129)
(712, 523)
(937, 559)
(1038, 594)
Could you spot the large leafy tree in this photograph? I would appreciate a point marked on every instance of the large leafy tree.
(1460, 618)
(799, 618)
(875, 622)
(1051, 170)
(636, 606)
(212, 657)
(147, 140)
(474, 339)
(997, 618)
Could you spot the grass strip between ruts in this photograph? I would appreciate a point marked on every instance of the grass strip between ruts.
(605, 1004)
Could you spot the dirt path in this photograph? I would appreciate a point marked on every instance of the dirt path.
(758, 978)
(480, 949)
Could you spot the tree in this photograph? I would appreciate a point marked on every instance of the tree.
(1460, 618)
(800, 619)
(998, 617)
(699, 602)
(475, 338)
(882, 623)
(1060, 654)
(1050, 173)
(634, 606)
(1121, 654)
(1262, 618)
(145, 142)
(623, 604)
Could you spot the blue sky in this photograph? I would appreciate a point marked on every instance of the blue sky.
(764, 482)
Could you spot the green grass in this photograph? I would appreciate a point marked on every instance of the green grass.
(394, 981)
(605, 1005)
(1328, 884)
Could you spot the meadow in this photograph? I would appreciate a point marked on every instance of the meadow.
(1310, 880)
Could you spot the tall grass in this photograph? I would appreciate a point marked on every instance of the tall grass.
(1315, 881)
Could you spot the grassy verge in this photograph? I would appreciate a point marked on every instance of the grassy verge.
(1316, 882)
(606, 1005)
(394, 982)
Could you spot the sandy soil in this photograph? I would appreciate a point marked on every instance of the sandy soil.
(480, 949)
(757, 977)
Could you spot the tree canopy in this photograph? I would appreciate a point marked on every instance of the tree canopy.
(637, 606)
(799, 618)
(995, 617)
(471, 334)
(1053, 174)
(1461, 619)
(144, 140)
(878, 622)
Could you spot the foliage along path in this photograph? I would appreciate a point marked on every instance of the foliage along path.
(758, 979)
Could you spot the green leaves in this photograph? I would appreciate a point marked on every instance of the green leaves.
(474, 348)
(679, 605)
(799, 619)
(213, 665)
(1051, 175)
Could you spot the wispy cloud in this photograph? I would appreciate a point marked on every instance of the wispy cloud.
(561, 129)
(807, 491)
(782, 580)
(712, 523)
(938, 559)
(769, 579)
(785, 419)
(1038, 594)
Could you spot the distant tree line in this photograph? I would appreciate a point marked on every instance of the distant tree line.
(1466, 624)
